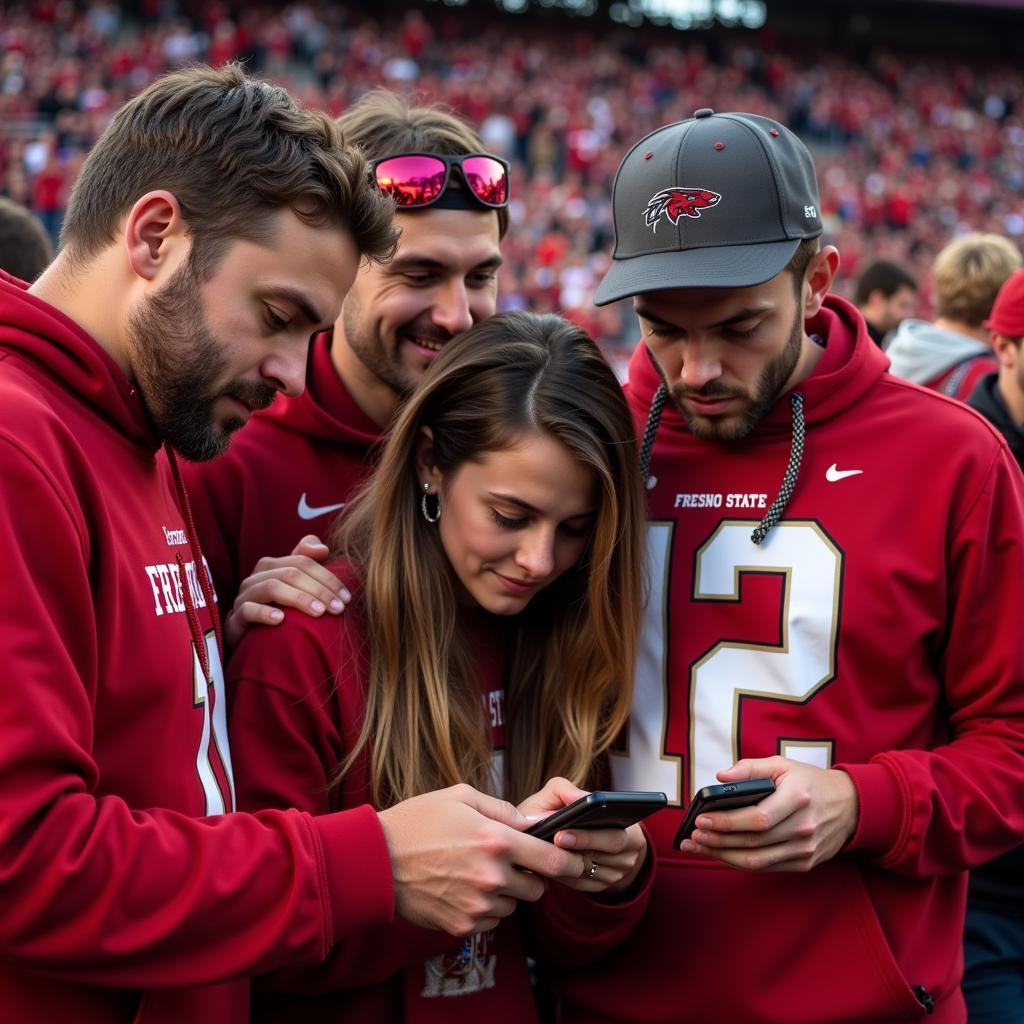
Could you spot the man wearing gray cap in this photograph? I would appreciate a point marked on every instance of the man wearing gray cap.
(825, 540)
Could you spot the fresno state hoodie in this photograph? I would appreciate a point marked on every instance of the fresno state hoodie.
(129, 888)
(287, 474)
(301, 687)
(858, 635)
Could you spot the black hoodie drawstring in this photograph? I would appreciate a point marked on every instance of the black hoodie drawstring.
(796, 454)
(650, 429)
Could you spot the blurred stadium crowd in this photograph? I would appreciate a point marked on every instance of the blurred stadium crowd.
(910, 150)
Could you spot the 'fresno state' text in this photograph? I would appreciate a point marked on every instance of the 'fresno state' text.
(168, 597)
(712, 500)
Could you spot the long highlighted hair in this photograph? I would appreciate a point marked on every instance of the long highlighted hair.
(568, 677)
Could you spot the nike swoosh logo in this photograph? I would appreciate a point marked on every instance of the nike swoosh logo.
(307, 511)
(832, 475)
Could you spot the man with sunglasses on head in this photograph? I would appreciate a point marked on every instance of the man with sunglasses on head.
(213, 227)
(825, 543)
(261, 508)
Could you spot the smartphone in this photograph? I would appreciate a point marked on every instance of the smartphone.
(602, 809)
(722, 798)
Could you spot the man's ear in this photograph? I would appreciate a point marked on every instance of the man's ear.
(426, 468)
(818, 278)
(155, 235)
(1007, 350)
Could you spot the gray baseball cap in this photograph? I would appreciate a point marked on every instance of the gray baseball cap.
(715, 201)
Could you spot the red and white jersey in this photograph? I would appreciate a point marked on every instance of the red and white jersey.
(874, 630)
(287, 474)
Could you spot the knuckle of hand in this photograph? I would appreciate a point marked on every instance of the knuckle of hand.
(490, 882)
(473, 904)
(483, 906)
(559, 863)
(494, 844)
(759, 861)
(508, 810)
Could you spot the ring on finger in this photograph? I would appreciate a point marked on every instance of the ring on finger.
(592, 870)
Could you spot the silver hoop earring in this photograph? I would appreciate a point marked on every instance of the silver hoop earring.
(425, 508)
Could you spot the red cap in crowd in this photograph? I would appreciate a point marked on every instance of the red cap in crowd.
(1008, 310)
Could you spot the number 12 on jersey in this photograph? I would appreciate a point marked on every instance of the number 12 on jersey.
(730, 672)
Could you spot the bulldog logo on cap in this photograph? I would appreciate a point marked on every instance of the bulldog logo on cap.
(674, 203)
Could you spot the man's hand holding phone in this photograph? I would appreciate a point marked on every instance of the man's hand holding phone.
(613, 857)
(457, 857)
(808, 818)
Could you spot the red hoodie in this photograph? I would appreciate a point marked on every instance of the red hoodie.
(298, 694)
(122, 885)
(859, 635)
(287, 474)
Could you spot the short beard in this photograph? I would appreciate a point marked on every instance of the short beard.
(369, 349)
(770, 383)
(177, 361)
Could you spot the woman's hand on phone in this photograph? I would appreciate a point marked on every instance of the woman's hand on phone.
(612, 857)
(556, 794)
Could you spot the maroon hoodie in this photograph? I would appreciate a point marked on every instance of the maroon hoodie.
(127, 892)
(287, 474)
(859, 635)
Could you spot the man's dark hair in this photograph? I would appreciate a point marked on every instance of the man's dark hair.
(798, 262)
(383, 122)
(232, 151)
(884, 276)
(25, 248)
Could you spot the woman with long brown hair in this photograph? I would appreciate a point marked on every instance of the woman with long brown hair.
(495, 559)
